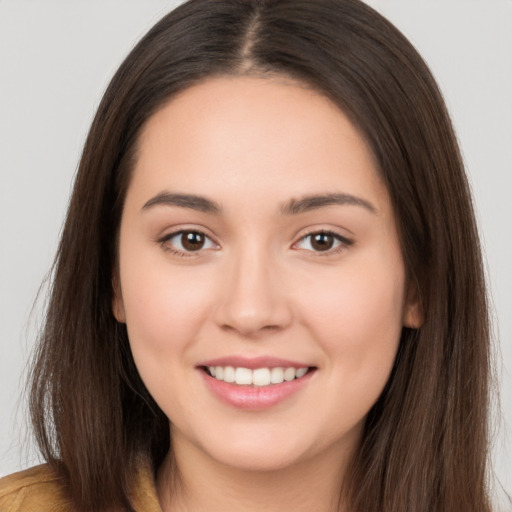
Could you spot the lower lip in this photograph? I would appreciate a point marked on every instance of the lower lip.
(254, 397)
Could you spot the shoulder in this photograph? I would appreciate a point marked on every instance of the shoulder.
(38, 489)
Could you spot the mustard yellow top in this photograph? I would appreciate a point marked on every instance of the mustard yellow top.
(39, 490)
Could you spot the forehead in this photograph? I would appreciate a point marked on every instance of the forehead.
(260, 134)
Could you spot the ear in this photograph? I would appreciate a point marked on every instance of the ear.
(117, 299)
(413, 316)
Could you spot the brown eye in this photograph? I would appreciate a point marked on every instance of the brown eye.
(192, 240)
(322, 241)
(183, 242)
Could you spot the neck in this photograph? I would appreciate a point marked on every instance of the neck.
(190, 481)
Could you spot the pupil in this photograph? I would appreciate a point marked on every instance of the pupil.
(322, 242)
(192, 241)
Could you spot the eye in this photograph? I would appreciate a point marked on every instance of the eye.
(322, 241)
(187, 241)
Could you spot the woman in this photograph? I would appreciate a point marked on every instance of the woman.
(268, 292)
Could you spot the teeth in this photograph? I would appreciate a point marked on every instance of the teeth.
(289, 374)
(261, 377)
(276, 375)
(243, 376)
(301, 372)
(229, 374)
(258, 377)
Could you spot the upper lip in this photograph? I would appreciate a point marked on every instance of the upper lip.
(254, 362)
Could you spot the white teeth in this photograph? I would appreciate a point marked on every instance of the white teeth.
(301, 372)
(261, 377)
(289, 374)
(258, 377)
(243, 376)
(276, 375)
(229, 374)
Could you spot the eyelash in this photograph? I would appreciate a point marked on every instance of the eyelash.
(164, 242)
(344, 242)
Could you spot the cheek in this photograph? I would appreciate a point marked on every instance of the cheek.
(164, 307)
(357, 323)
(164, 311)
(357, 318)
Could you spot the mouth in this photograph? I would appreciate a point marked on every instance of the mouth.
(257, 383)
(257, 377)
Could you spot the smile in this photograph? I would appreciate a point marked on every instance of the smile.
(255, 384)
(258, 377)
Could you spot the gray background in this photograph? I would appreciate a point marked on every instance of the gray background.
(56, 58)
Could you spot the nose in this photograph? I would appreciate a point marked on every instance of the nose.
(253, 298)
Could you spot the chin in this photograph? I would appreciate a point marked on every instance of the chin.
(254, 450)
(258, 460)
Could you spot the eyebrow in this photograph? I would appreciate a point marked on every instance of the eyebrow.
(191, 201)
(292, 207)
(307, 203)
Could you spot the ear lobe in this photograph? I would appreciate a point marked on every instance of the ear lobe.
(117, 301)
(413, 316)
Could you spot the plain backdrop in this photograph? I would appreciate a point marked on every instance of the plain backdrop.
(56, 58)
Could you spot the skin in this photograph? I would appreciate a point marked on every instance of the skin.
(259, 287)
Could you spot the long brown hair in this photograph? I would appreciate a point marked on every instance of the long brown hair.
(425, 440)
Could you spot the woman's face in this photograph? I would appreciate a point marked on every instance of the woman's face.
(257, 239)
